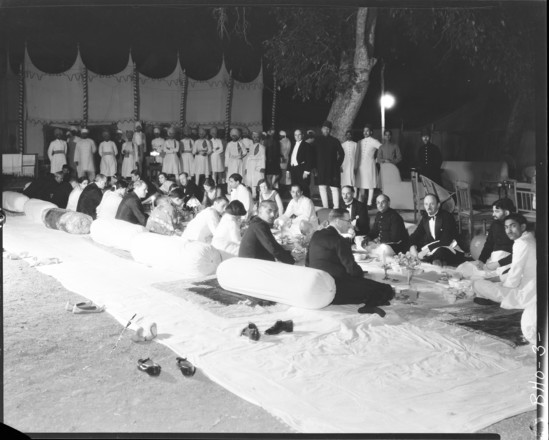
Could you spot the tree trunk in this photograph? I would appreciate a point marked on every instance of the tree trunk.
(347, 102)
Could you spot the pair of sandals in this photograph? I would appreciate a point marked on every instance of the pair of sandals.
(153, 369)
(83, 307)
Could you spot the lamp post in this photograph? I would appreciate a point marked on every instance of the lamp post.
(386, 101)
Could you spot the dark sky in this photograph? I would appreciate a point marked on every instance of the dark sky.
(155, 35)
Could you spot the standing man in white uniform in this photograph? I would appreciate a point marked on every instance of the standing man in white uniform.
(57, 152)
(83, 156)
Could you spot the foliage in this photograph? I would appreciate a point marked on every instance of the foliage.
(307, 50)
(498, 41)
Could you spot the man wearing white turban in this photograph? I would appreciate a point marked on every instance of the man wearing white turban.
(171, 163)
(57, 152)
(139, 141)
(83, 156)
(235, 154)
(157, 145)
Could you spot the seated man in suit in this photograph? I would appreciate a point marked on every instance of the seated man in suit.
(498, 247)
(331, 252)
(130, 208)
(516, 289)
(190, 189)
(258, 240)
(389, 226)
(91, 196)
(436, 235)
(357, 210)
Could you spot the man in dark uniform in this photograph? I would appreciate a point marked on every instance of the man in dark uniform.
(301, 163)
(272, 158)
(331, 252)
(429, 158)
(329, 157)
(258, 240)
(389, 226)
(436, 235)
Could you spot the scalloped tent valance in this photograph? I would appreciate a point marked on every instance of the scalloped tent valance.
(81, 96)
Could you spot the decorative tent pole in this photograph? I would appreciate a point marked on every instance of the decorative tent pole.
(85, 86)
(21, 113)
(135, 78)
(183, 105)
(273, 110)
(229, 105)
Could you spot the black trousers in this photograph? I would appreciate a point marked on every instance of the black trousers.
(358, 290)
(446, 256)
(296, 173)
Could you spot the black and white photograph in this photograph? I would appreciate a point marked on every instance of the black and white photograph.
(274, 218)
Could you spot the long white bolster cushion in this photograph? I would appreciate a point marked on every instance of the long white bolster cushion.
(14, 201)
(34, 208)
(115, 233)
(190, 259)
(283, 283)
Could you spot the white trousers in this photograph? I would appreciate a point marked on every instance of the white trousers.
(323, 189)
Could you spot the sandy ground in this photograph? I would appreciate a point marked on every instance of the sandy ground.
(61, 374)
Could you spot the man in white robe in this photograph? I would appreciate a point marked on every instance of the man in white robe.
(202, 227)
(517, 288)
(140, 142)
(255, 164)
(299, 209)
(234, 154)
(108, 152)
(83, 156)
(57, 152)
(157, 145)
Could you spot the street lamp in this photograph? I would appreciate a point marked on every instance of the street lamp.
(386, 101)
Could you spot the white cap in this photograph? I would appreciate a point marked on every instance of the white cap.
(156, 130)
(282, 133)
(85, 130)
(138, 124)
(73, 128)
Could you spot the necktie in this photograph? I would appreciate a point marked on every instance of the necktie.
(204, 145)
(256, 151)
(239, 148)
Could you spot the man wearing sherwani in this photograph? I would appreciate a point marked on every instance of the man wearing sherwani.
(255, 165)
(202, 149)
(157, 145)
(235, 153)
(217, 159)
(108, 152)
(83, 156)
(171, 163)
(57, 152)
(139, 141)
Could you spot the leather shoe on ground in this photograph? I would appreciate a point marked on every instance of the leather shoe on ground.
(251, 331)
(365, 309)
(281, 326)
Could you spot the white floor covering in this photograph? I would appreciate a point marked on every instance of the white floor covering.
(339, 371)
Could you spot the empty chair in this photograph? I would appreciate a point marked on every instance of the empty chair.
(465, 210)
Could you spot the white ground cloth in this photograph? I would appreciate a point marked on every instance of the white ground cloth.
(337, 372)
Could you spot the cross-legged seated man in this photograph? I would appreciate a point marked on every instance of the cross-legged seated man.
(331, 252)
(299, 209)
(436, 235)
(258, 240)
(202, 227)
(517, 288)
(498, 248)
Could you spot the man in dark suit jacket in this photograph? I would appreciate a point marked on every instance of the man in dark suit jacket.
(329, 158)
(258, 241)
(330, 252)
(389, 226)
(91, 196)
(130, 208)
(436, 235)
(61, 191)
(357, 210)
(189, 188)
(301, 162)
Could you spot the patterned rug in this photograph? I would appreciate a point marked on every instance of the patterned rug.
(493, 321)
(212, 290)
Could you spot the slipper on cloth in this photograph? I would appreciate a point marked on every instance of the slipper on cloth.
(84, 307)
(185, 366)
(149, 367)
